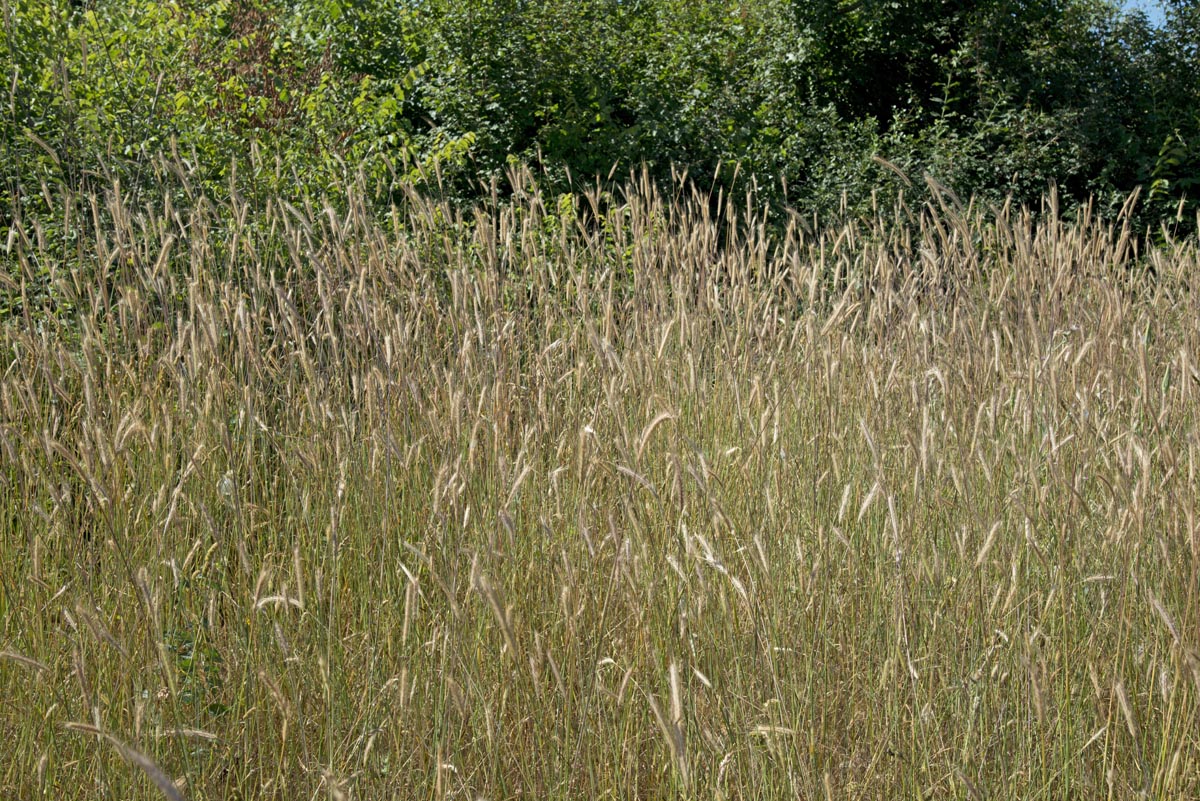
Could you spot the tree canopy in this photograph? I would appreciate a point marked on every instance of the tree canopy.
(816, 103)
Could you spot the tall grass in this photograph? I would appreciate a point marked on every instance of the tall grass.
(612, 497)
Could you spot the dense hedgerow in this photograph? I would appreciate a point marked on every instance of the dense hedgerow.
(796, 100)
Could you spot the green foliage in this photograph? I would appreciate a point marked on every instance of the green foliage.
(800, 100)
(876, 57)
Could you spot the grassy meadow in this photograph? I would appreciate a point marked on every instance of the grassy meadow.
(624, 496)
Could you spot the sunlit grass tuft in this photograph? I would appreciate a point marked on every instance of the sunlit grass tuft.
(611, 497)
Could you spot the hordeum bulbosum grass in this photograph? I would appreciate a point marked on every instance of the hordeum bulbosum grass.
(626, 496)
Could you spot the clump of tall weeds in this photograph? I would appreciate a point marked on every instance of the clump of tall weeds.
(624, 495)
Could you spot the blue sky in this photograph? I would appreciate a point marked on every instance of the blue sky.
(1152, 8)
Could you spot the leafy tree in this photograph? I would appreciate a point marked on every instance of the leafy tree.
(797, 98)
(1173, 110)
